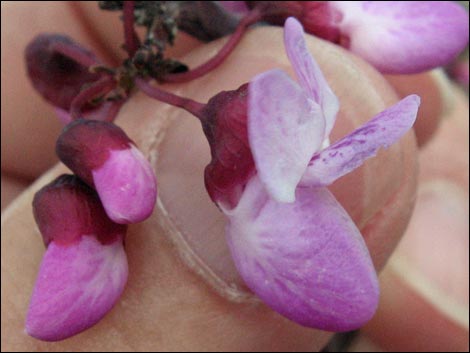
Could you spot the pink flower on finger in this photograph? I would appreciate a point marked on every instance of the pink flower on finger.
(292, 242)
(84, 270)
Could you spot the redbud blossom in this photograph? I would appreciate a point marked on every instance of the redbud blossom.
(103, 156)
(84, 269)
(292, 242)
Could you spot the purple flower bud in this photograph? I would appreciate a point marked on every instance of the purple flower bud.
(84, 269)
(317, 17)
(56, 76)
(67, 208)
(105, 158)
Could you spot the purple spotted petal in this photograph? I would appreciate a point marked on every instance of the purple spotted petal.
(285, 129)
(306, 260)
(351, 151)
(126, 185)
(308, 72)
(76, 286)
(404, 37)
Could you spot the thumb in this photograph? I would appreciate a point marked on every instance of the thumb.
(183, 291)
(428, 274)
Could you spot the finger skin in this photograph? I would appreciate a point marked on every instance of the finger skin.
(430, 88)
(447, 156)
(406, 322)
(426, 325)
(167, 305)
(11, 188)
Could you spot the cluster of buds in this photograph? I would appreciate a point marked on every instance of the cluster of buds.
(293, 243)
(83, 219)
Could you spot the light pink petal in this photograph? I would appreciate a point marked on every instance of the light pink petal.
(308, 72)
(285, 129)
(76, 286)
(404, 37)
(306, 260)
(351, 151)
(126, 186)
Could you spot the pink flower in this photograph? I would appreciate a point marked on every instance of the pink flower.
(292, 242)
(84, 269)
(399, 37)
(103, 156)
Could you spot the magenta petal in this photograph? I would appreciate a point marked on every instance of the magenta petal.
(306, 260)
(308, 72)
(103, 156)
(76, 286)
(126, 185)
(404, 37)
(351, 151)
(285, 129)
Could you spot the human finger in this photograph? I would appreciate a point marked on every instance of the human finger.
(181, 273)
(424, 306)
(434, 89)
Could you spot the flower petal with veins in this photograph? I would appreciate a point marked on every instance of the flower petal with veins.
(306, 260)
(285, 129)
(404, 37)
(308, 72)
(76, 286)
(351, 151)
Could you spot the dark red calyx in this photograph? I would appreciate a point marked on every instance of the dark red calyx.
(224, 124)
(58, 77)
(317, 17)
(67, 209)
(84, 145)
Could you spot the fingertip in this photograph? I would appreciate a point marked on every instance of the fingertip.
(447, 154)
(434, 89)
(405, 322)
(426, 279)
